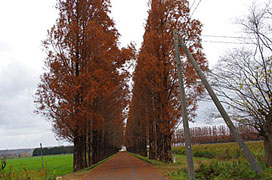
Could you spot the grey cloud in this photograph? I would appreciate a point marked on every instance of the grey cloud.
(28, 139)
(4, 47)
(16, 79)
(18, 124)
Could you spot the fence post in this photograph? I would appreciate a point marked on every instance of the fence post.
(42, 156)
(174, 157)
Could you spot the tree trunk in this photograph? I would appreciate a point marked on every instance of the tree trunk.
(143, 141)
(151, 141)
(101, 150)
(89, 145)
(79, 160)
(151, 144)
(268, 139)
(167, 150)
(84, 151)
(268, 151)
(158, 142)
(95, 147)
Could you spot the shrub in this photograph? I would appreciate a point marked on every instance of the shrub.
(226, 170)
(3, 165)
(204, 154)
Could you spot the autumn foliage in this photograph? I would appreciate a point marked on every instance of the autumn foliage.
(84, 90)
(155, 106)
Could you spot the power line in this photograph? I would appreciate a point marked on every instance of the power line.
(196, 8)
(192, 4)
(227, 42)
(233, 37)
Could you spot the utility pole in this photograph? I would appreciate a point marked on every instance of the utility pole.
(188, 145)
(252, 161)
(42, 156)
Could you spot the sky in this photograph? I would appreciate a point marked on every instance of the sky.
(24, 25)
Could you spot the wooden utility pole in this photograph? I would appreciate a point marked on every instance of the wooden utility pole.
(42, 156)
(252, 161)
(188, 144)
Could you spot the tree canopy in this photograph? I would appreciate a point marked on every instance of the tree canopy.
(155, 107)
(83, 90)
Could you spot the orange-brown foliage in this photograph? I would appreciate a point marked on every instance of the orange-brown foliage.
(156, 103)
(83, 88)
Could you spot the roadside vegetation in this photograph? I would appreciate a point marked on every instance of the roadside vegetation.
(222, 151)
(226, 161)
(214, 162)
(54, 166)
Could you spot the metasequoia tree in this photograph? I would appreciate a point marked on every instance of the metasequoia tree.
(155, 100)
(83, 90)
(244, 78)
(136, 128)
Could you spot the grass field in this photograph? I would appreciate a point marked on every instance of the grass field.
(212, 161)
(55, 165)
(222, 151)
(215, 162)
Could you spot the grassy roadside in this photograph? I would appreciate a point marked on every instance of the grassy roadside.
(173, 171)
(214, 162)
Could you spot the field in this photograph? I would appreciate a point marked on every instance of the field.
(223, 151)
(212, 161)
(55, 165)
(215, 162)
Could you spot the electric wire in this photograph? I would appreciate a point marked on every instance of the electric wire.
(228, 42)
(232, 37)
(192, 4)
(196, 8)
(227, 37)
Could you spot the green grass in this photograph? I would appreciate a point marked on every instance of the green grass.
(56, 164)
(175, 171)
(214, 162)
(223, 151)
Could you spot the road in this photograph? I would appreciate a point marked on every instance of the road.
(124, 166)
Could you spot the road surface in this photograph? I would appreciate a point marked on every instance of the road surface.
(124, 166)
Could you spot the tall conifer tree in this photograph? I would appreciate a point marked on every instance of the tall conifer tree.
(156, 88)
(83, 79)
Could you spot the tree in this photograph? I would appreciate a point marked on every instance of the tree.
(243, 78)
(156, 88)
(83, 91)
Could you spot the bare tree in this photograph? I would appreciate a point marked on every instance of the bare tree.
(243, 77)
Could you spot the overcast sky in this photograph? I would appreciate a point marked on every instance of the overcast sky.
(23, 27)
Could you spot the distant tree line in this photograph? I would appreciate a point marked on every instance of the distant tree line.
(215, 134)
(54, 150)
